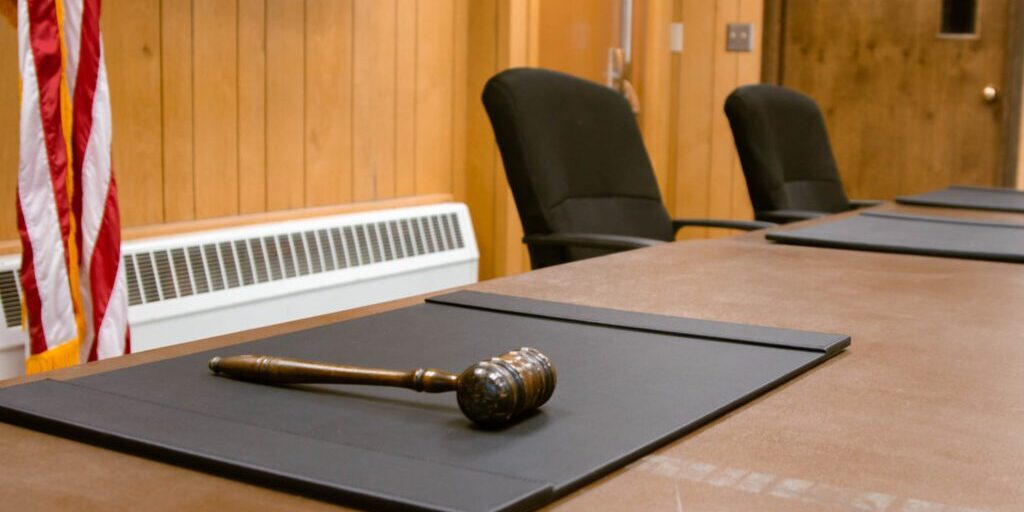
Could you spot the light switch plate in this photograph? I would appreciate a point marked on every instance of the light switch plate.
(739, 37)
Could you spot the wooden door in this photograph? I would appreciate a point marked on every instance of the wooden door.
(575, 36)
(904, 104)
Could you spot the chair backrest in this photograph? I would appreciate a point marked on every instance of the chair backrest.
(783, 145)
(574, 159)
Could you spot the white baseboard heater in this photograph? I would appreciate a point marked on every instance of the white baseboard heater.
(197, 285)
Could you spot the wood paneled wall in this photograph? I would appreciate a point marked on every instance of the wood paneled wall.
(9, 106)
(501, 34)
(573, 36)
(706, 178)
(231, 107)
(682, 116)
(682, 97)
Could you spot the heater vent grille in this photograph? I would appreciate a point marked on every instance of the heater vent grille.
(199, 283)
(9, 294)
(155, 276)
(167, 274)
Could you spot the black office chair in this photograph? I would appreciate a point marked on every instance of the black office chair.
(783, 145)
(578, 169)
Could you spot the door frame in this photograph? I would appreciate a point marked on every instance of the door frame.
(1013, 157)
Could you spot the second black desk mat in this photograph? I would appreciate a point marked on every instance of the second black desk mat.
(914, 234)
(976, 198)
(628, 383)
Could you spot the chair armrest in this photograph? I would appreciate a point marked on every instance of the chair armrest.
(864, 203)
(590, 240)
(786, 216)
(745, 225)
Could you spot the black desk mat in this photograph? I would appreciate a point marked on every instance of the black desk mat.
(628, 383)
(975, 198)
(914, 234)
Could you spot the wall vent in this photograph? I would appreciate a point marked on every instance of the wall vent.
(168, 274)
(202, 284)
(10, 295)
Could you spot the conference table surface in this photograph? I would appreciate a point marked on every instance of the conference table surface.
(925, 410)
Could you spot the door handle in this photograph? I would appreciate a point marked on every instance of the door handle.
(989, 93)
(618, 78)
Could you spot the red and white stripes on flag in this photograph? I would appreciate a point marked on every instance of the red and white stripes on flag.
(75, 297)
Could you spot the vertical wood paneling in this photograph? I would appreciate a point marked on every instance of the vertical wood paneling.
(723, 151)
(748, 71)
(215, 93)
(435, 61)
(285, 107)
(526, 52)
(328, 98)
(673, 106)
(176, 97)
(772, 13)
(132, 36)
(9, 128)
(374, 99)
(461, 98)
(517, 23)
(575, 35)
(695, 113)
(652, 65)
(480, 147)
(252, 106)
(405, 97)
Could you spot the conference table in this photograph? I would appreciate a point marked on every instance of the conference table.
(923, 412)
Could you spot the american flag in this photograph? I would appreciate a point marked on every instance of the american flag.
(73, 281)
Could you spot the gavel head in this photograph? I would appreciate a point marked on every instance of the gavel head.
(494, 392)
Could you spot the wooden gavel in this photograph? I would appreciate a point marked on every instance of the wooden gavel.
(492, 393)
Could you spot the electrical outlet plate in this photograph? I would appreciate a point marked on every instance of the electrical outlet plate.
(739, 37)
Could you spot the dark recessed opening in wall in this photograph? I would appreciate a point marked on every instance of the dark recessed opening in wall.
(959, 17)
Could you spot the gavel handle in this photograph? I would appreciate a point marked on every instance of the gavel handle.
(280, 370)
